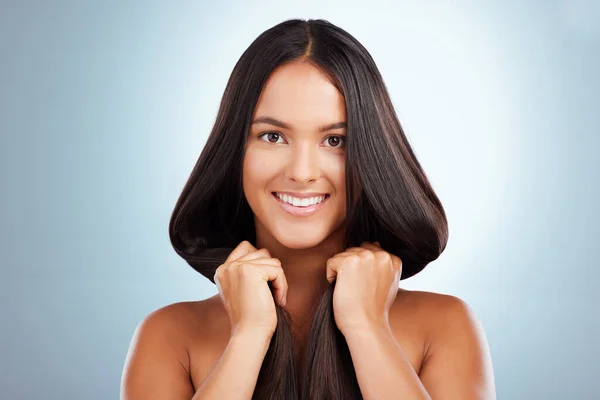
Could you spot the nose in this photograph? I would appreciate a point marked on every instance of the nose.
(303, 165)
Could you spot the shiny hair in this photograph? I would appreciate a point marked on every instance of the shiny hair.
(388, 196)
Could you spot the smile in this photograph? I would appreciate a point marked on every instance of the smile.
(299, 209)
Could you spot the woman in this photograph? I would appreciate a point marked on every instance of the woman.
(305, 208)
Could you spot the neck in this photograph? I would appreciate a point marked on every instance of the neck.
(306, 274)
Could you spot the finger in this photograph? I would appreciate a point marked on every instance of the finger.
(351, 250)
(241, 250)
(357, 250)
(333, 265)
(261, 260)
(216, 281)
(347, 253)
(397, 262)
(262, 253)
(277, 278)
(371, 246)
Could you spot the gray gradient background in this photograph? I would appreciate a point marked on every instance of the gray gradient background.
(104, 108)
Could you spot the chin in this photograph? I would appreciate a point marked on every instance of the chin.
(293, 240)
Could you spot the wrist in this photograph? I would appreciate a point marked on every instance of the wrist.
(256, 335)
(367, 329)
(250, 343)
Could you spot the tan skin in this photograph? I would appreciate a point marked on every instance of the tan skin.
(411, 339)
(175, 347)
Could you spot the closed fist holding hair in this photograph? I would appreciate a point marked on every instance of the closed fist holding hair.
(366, 285)
(242, 281)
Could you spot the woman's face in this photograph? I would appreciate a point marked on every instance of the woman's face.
(296, 144)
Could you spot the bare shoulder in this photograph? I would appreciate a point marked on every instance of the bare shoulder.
(428, 305)
(456, 357)
(421, 308)
(158, 360)
(436, 314)
(417, 320)
(411, 318)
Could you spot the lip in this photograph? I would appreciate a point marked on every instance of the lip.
(300, 211)
(302, 195)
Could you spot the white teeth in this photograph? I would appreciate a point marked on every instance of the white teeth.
(300, 202)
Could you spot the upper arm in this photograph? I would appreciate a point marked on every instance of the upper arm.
(157, 363)
(458, 363)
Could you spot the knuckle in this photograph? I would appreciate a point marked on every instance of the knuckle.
(366, 254)
(354, 258)
(237, 266)
(246, 269)
(218, 276)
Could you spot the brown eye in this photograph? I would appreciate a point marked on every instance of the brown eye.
(270, 136)
(334, 141)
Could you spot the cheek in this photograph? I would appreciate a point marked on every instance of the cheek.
(258, 169)
(339, 177)
(340, 188)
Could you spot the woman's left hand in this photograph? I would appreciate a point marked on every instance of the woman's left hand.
(366, 285)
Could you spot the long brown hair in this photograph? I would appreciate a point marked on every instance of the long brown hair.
(389, 198)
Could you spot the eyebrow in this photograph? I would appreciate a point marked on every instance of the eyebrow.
(275, 122)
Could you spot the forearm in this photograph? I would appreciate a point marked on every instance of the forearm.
(382, 369)
(236, 373)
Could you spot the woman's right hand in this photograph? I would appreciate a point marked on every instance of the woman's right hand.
(242, 281)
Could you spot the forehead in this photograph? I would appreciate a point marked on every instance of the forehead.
(299, 93)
